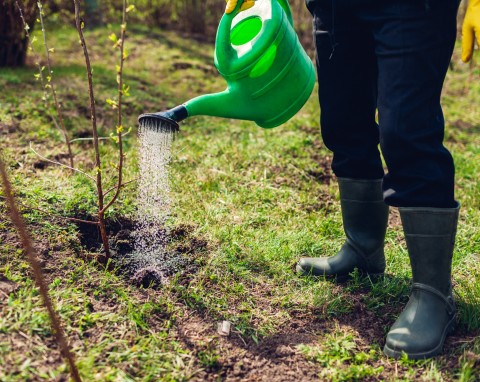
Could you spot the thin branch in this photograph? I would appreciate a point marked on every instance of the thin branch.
(75, 220)
(93, 115)
(60, 164)
(40, 74)
(38, 275)
(99, 138)
(122, 185)
(119, 105)
(51, 85)
(32, 47)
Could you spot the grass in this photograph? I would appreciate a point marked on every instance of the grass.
(260, 198)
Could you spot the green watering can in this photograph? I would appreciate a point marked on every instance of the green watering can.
(269, 74)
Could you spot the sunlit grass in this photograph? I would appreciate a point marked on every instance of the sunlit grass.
(261, 198)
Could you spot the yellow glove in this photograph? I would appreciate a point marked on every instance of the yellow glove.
(232, 4)
(471, 27)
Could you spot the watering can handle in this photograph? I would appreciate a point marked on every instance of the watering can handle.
(283, 3)
(286, 8)
(223, 46)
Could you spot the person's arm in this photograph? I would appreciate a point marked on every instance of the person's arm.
(232, 4)
(471, 28)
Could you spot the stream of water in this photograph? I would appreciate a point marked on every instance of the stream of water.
(153, 198)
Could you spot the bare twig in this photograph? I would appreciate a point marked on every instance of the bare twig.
(50, 84)
(122, 185)
(38, 275)
(99, 138)
(75, 220)
(40, 77)
(32, 47)
(60, 164)
(93, 114)
(119, 107)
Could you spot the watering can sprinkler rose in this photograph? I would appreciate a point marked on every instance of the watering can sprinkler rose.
(268, 73)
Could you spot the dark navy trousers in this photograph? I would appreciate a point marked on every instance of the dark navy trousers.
(391, 56)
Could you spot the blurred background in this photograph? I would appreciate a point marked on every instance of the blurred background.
(196, 18)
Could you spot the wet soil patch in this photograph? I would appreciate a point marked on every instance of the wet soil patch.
(181, 257)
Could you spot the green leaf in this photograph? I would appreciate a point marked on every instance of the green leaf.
(112, 103)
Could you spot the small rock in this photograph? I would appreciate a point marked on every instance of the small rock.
(223, 328)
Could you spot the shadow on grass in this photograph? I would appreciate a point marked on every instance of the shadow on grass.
(183, 44)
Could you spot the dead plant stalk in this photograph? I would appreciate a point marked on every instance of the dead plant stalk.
(37, 273)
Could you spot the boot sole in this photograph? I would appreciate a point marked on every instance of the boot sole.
(396, 354)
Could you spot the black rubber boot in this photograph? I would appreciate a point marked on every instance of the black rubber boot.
(429, 316)
(365, 219)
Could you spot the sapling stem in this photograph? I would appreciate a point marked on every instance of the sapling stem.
(93, 115)
(121, 157)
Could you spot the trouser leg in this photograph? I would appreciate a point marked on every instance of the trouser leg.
(414, 43)
(347, 72)
(413, 46)
(347, 92)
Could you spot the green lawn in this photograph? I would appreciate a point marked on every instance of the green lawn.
(247, 203)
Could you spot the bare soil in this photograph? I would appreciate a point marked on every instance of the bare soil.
(274, 358)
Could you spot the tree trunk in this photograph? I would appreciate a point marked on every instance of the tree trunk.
(13, 41)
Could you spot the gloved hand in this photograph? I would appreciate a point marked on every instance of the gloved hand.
(471, 27)
(232, 4)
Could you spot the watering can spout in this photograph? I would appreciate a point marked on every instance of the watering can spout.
(214, 105)
(223, 104)
(268, 73)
